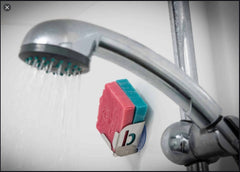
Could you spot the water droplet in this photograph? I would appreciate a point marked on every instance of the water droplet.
(50, 66)
(29, 60)
(42, 62)
(46, 65)
(59, 69)
(35, 61)
(73, 72)
(38, 63)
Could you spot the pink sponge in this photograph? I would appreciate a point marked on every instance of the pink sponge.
(115, 111)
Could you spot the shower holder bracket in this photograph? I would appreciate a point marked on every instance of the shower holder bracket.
(184, 143)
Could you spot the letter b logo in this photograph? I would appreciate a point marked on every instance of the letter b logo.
(126, 137)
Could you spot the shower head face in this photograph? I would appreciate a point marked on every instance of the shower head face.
(62, 47)
(54, 59)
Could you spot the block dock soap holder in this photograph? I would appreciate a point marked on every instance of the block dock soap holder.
(121, 118)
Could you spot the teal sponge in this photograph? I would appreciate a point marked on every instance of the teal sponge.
(140, 105)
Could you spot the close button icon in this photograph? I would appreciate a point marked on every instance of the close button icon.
(7, 7)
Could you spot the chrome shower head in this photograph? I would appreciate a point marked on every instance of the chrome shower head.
(57, 47)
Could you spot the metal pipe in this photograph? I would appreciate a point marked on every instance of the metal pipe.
(183, 47)
(184, 54)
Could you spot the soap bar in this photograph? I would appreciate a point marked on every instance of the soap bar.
(115, 111)
(140, 105)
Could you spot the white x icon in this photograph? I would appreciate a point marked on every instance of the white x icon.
(7, 7)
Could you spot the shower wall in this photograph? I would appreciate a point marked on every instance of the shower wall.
(49, 122)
